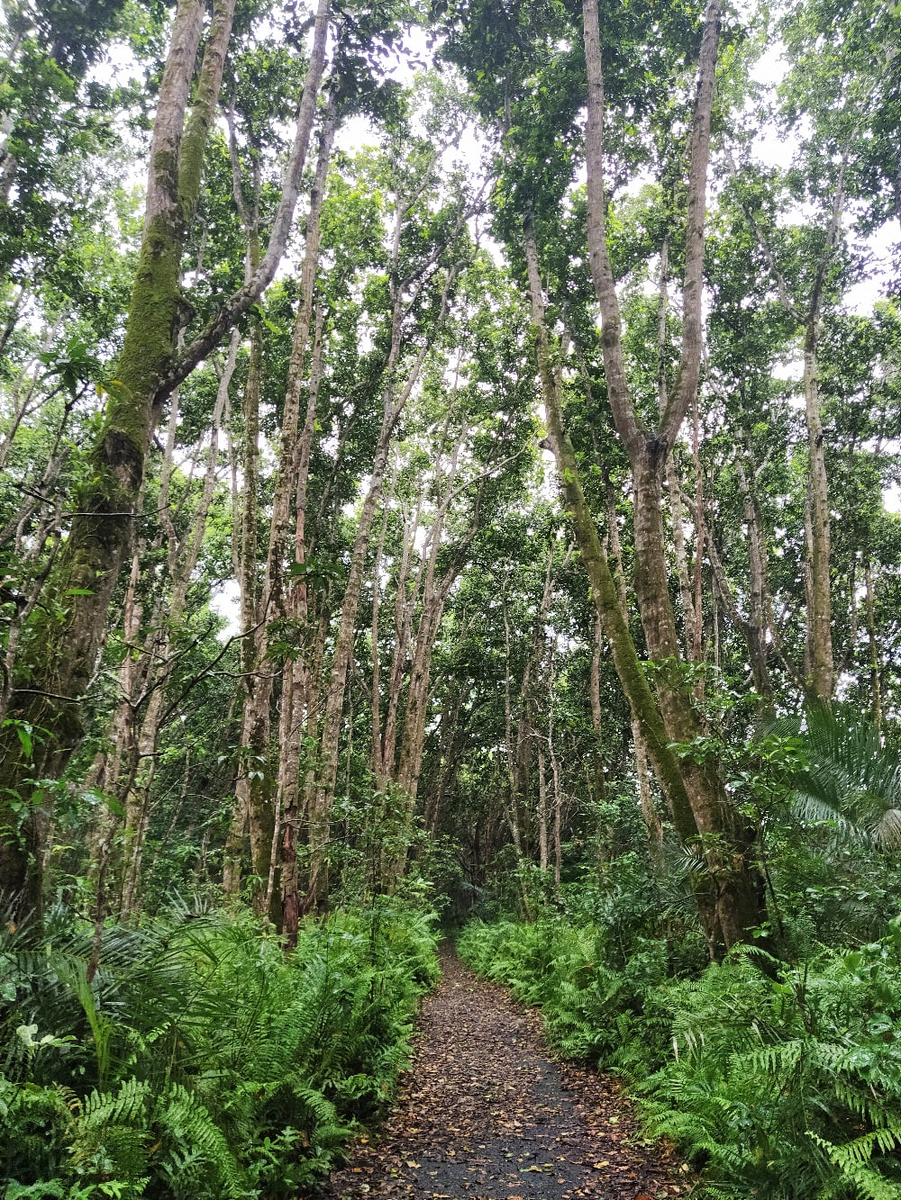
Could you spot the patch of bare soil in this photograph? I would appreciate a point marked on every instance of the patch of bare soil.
(483, 1112)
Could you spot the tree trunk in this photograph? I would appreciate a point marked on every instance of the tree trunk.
(724, 840)
(323, 787)
(653, 824)
(821, 673)
(603, 586)
(543, 858)
(253, 792)
(873, 647)
(757, 624)
(149, 369)
(101, 533)
(385, 748)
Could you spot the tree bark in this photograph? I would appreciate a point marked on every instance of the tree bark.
(724, 840)
(101, 533)
(321, 788)
(652, 821)
(821, 673)
(603, 586)
(149, 369)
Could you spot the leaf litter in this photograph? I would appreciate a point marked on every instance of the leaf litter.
(483, 1112)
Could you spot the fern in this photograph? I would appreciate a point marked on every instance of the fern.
(109, 1136)
(788, 1088)
(188, 1126)
(200, 1061)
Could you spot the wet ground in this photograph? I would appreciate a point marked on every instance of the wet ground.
(484, 1112)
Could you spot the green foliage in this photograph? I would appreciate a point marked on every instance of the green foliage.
(780, 1084)
(590, 961)
(198, 1059)
(788, 1086)
(854, 782)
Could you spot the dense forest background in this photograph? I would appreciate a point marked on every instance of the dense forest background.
(450, 463)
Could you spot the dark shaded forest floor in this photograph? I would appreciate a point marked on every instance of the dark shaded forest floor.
(483, 1112)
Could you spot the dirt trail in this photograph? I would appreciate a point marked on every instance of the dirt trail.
(484, 1113)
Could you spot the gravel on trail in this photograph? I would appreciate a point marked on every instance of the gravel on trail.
(483, 1112)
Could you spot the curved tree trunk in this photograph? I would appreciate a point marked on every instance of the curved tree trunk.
(723, 837)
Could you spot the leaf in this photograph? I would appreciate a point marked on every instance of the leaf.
(25, 739)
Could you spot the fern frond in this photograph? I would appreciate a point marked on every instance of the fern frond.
(188, 1125)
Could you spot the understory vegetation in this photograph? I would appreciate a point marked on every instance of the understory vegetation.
(197, 1062)
(774, 1077)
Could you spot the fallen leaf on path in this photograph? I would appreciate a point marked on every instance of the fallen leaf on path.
(470, 1078)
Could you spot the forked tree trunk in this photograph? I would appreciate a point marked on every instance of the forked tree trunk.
(603, 586)
(724, 839)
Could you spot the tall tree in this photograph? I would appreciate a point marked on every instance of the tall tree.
(48, 694)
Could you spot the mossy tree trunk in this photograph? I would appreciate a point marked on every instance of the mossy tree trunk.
(604, 591)
(65, 641)
(64, 644)
(723, 837)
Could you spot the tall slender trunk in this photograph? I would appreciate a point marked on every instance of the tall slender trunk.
(275, 838)
(298, 715)
(375, 701)
(510, 794)
(821, 671)
(323, 785)
(819, 667)
(434, 597)
(558, 798)
(182, 558)
(543, 858)
(686, 591)
(873, 648)
(321, 779)
(405, 603)
(253, 783)
(725, 841)
(690, 611)
(652, 821)
(322, 789)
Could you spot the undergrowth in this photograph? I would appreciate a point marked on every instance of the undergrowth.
(783, 1084)
(200, 1062)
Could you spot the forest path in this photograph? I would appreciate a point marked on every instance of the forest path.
(483, 1112)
